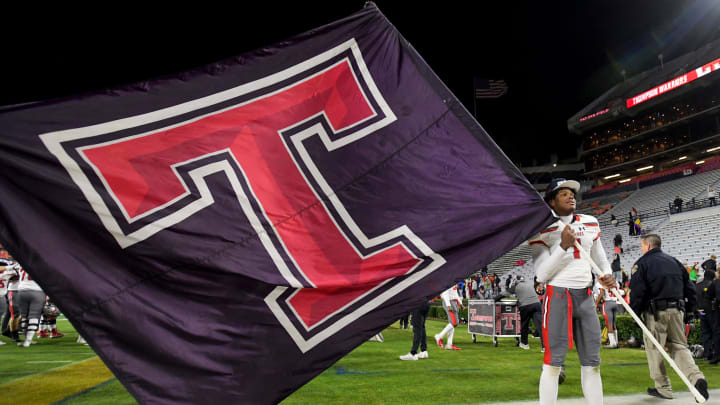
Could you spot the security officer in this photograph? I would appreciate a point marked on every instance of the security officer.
(660, 290)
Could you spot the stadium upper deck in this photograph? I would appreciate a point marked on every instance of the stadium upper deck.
(655, 120)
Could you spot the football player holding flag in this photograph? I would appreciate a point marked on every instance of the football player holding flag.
(568, 308)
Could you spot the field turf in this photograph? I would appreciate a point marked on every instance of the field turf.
(60, 371)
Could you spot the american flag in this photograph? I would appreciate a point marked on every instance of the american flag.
(485, 88)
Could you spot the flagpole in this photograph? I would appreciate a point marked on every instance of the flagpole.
(474, 102)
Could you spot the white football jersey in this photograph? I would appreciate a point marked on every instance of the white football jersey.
(449, 295)
(26, 282)
(607, 294)
(4, 277)
(567, 269)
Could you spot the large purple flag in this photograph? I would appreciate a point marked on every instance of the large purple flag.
(225, 235)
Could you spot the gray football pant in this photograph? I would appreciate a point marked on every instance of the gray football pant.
(4, 313)
(454, 316)
(29, 304)
(610, 312)
(569, 316)
(669, 331)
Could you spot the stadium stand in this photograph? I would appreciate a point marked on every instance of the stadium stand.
(601, 203)
(690, 236)
(659, 119)
(506, 262)
(660, 196)
(648, 139)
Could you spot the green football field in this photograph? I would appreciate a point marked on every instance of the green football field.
(60, 371)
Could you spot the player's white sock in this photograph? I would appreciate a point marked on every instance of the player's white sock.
(591, 385)
(549, 384)
(451, 334)
(31, 329)
(445, 331)
(611, 337)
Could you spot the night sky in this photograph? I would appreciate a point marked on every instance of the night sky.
(556, 57)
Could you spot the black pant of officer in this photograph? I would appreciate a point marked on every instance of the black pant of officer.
(715, 328)
(707, 331)
(667, 327)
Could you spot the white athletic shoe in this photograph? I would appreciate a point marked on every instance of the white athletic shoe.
(25, 343)
(423, 355)
(409, 356)
(1, 343)
(524, 346)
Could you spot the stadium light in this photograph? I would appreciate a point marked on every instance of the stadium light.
(682, 157)
(612, 176)
(644, 168)
(699, 162)
(554, 164)
(624, 181)
(713, 149)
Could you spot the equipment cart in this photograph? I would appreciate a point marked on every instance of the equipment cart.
(494, 318)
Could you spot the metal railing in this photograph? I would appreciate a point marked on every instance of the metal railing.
(690, 205)
(693, 204)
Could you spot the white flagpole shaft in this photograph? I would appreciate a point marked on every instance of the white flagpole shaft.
(660, 348)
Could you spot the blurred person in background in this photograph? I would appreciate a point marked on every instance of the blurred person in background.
(529, 307)
(705, 309)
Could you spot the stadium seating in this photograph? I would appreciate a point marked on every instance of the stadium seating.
(689, 236)
(692, 237)
(504, 263)
(604, 201)
(661, 195)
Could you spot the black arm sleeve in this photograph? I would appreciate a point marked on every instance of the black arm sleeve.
(710, 293)
(688, 290)
(637, 290)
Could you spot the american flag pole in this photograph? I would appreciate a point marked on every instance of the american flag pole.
(490, 88)
(474, 102)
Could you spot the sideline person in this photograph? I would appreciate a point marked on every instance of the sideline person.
(661, 290)
(452, 304)
(419, 315)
